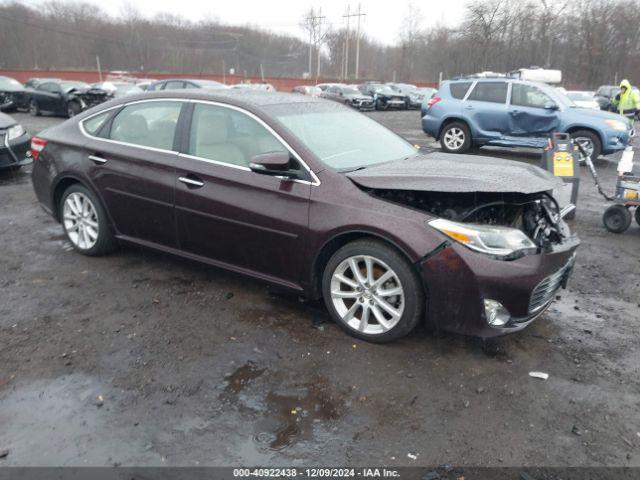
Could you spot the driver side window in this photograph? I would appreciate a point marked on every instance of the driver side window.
(528, 96)
(229, 136)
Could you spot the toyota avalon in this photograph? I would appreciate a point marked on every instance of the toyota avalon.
(313, 196)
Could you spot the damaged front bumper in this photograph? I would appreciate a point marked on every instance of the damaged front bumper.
(461, 283)
(15, 152)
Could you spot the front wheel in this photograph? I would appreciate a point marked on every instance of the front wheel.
(617, 218)
(34, 108)
(73, 108)
(85, 222)
(372, 292)
(455, 138)
(590, 143)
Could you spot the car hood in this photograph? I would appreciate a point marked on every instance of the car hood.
(443, 172)
(600, 114)
(6, 121)
(357, 96)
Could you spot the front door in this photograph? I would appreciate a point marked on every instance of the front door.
(533, 115)
(134, 170)
(231, 215)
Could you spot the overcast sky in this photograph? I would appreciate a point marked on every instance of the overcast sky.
(382, 19)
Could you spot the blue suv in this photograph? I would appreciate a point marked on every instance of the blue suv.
(508, 112)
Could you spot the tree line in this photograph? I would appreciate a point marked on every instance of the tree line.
(592, 41)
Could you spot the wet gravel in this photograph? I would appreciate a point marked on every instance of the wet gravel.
(141, 358)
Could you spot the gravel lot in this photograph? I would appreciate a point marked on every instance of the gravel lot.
(141, 358)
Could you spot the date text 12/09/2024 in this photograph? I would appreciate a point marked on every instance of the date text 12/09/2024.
(316, 472)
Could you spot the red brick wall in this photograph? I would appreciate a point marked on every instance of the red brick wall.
(280, 83)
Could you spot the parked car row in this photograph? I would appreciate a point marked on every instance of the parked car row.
(371, 95)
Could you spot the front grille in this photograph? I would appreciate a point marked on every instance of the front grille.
(546, 289)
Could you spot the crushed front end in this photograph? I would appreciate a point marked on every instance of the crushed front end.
(478, 283)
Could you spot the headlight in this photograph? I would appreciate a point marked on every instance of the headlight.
(15, 132)
(617, 125)
(489, 239)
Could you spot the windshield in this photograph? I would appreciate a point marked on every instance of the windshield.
(384, 89)
(580, 96)
(66, 86)
(7, 83)
(343, 139)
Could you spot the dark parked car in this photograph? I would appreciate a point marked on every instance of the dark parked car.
(604, 96)
(184, 83)
(349, 96)
(315, 197)
(412, 97)
(384, 97)
(14, 143)
(12, 95)
(34, 82)
(64, 97)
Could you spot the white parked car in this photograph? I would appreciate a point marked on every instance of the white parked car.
(583, 99)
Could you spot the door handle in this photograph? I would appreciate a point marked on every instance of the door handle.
(98, 160)
(191, 182)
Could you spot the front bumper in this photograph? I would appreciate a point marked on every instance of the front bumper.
(16, 152)
(458, 281)
(616, 141)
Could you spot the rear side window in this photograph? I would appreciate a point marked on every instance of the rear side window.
(93, 125)
(459, 90)
(493, 92)
(149, 124)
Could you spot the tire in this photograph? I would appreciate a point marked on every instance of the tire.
(455, 138)
(586, 137)
(616, 218)
(73, 108)
(92, 219)
(380, 105)
(34, 108)
(361, 299)
(637, 215)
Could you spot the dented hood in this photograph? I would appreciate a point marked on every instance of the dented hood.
(443, 172)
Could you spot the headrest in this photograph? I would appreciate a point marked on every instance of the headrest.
(212, 128)
(132, 127)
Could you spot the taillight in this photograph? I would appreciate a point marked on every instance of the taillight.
(37, 145)
(432, 101)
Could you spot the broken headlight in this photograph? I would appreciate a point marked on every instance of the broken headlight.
(490, 239)
(15, 132)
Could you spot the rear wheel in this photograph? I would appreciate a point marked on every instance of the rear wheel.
(85, 222)
(455, 138)
(34, 108)
(73, 108)
(590, 142)
(617, 218)
(372, 292)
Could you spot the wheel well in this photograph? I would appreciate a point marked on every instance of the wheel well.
(57, 194)
(587, 129)
(451, 120)
(332, 246)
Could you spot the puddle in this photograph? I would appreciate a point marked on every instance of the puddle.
(242, 377)
(291, 418)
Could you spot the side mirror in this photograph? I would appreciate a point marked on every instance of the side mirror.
(273, 163)
(551, 106)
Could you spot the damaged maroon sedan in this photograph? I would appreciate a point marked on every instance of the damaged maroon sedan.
(313, 196)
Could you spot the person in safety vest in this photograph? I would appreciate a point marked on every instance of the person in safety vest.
(627, 102)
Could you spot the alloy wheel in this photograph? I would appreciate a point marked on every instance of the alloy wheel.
(454, 138)
(80, 221)
(367, 294)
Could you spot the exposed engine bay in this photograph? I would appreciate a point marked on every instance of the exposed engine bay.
(537, 215)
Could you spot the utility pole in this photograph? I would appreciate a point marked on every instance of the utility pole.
(359, 14)
(313, 23)
(346, 44)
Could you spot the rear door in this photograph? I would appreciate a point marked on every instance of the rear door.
(231, 215)
(132, 163)
(533, 114)
(486, 108)
(48, 96)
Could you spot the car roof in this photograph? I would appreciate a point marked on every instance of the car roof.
(237, 97)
